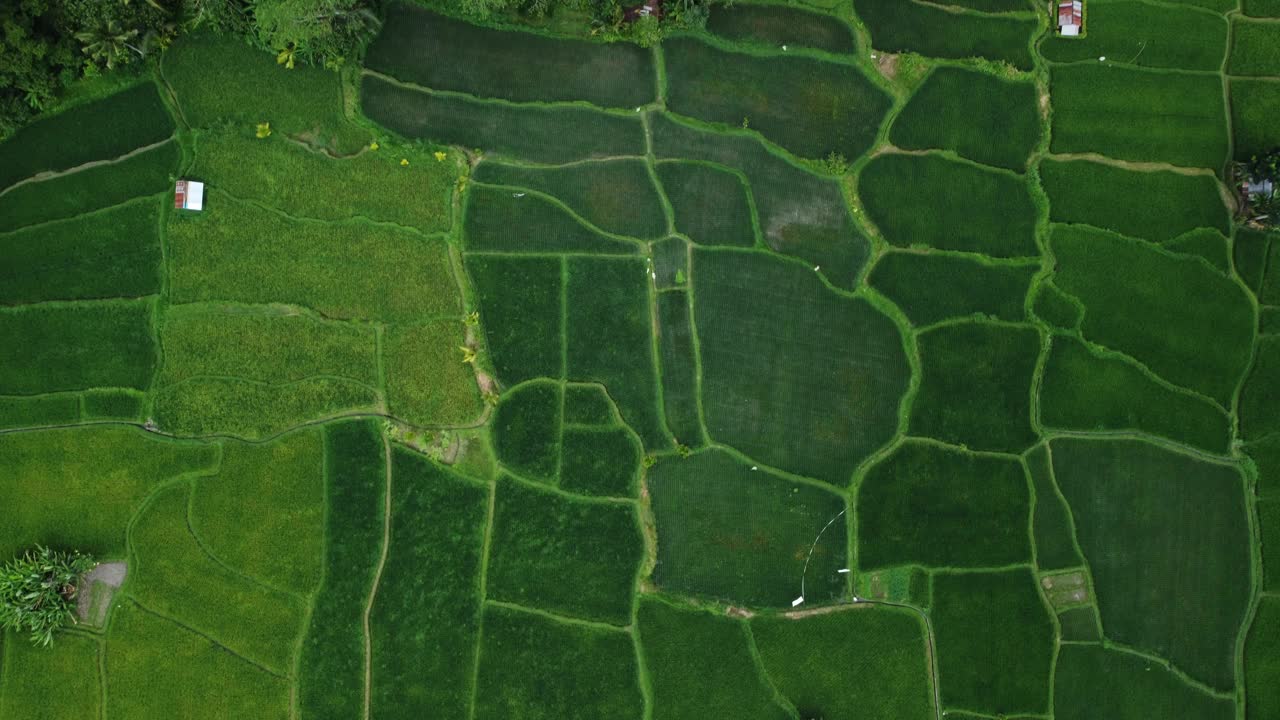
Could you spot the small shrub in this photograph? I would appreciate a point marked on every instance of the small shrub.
(38, 591)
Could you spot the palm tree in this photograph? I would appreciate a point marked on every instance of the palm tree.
(37, 591)
(108, 42)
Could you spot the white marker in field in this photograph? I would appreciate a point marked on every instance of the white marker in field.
(797, 601)
(843, 570)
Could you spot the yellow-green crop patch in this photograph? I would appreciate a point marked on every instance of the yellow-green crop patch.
(219, 81)
(50, 473)
(402, 185)
(242, 252)
(263, 513)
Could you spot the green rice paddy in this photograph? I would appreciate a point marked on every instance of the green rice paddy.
(848, 359)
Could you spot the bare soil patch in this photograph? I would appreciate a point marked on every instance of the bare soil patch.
(97, 588)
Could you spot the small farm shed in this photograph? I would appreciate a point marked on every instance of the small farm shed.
(635, 12)
(1070, 17)
(1259, 187)
(188, 195)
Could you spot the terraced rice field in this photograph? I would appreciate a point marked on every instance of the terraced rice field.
(867, 359)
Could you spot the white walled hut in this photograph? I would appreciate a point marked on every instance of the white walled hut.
(189, 195)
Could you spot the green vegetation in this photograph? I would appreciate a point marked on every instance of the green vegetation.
(526, 429)
(1051, 524)
(244, 253)
(576, 558)
(1082, 389)
(604, 462)
(202, 681)
(700, 665)
(800, 214)
(441, 53)
(263, 513)
(617, 196)
(1168, 117)
(102, 130)
(1258, 400)
(1056, 307)
(769, 368)
(1262, 661)
(949, 205)
(1136, 33)
(986, 619)
(115, 253)
(899, 27)
(811, 107)
(331, 671)
(427, 382)
(854, 663)
(1079, 624)
(38, 410)
(711, 205)
(1153, 205)
(503, 220)
(54, 347)
(1250, 252)
(52, 474)
(1254, 106)
(779, 25)
(978, 115)
(531, 132)
(1092, 679)
(676, 355)
(37, 590)
(523, 330)
(744, 535)
(146, 173)
(930, 287)
(67, 671)
(536, 668)
(609, 339)
(1206, 243)
(1261, 8)
(975, 385)
(1255, 47)
(429, 582)
(670, 263)
(208, 74)
(934, 506)
(171, 574)
(253, 374)
(587, 404)
(112, 404)
(1156, 525)
(401, 185)
(1135, 300)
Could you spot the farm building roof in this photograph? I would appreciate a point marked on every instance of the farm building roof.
(188, 195)
(1070, 17)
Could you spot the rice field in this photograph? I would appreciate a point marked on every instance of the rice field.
(842, 359)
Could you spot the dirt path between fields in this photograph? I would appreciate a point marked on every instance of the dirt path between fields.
(110, 576)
